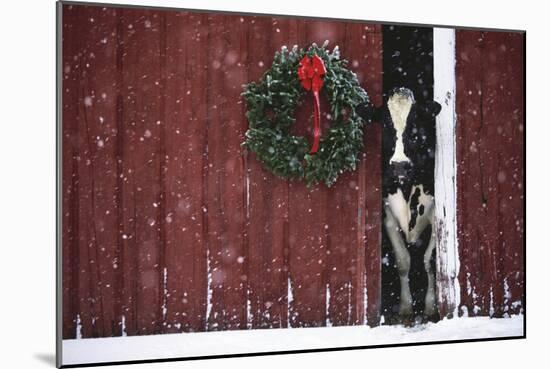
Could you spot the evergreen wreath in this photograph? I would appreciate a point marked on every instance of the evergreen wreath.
(271, 103)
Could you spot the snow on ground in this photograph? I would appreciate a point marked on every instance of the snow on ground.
(81, 351)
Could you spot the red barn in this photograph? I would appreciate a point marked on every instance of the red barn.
(169, 225)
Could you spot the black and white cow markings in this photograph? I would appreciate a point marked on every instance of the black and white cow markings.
(408, 152)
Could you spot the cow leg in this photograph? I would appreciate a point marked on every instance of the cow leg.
(402, 258)
(422, 221)
(426, 203)
(400, 209)
(429, 302)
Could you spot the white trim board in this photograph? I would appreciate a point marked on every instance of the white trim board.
(448, 288)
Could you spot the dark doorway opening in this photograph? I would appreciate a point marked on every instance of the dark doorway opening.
(407, 62)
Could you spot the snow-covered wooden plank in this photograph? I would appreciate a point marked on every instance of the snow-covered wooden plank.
(447, 264)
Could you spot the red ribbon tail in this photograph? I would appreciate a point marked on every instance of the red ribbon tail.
(317, 123)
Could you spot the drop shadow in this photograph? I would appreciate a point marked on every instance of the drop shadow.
(47, 358)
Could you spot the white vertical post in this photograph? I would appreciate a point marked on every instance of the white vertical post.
(448, 288)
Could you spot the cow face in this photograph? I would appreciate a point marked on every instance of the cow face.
(408, 139)
(408, 146)
(399, 104)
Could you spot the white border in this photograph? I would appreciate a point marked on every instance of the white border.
(28, 164)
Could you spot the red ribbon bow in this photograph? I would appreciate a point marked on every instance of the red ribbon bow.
(311, 72)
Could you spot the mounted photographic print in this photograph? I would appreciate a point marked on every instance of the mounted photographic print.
(237, 184)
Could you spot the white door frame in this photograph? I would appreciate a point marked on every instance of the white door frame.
(447, 261)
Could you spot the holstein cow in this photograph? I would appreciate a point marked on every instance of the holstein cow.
(408, 154)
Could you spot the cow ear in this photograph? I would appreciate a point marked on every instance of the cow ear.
(368, 112)
(429, 110)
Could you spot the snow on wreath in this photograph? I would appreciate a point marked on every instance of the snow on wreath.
(271, 103)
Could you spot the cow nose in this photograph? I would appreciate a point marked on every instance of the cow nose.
(401, 168)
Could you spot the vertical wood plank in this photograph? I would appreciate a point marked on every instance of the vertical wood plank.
(342, 282)
(126, 211)
(468, 58)
(307, 242)
(268, 195)
(141, 94)
(186, 282)
(512, 171)
(307, 218)
(492, 285)
(363, 51)
(70, 236)
(89, 280)
(370, 174)
(179, 146)
(225, 175)
(100, 101)
(261, 207)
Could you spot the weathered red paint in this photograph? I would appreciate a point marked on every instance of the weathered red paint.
(185, 256)
(490, 170)
(155, 181)
(268, 251)
(69, 201)
(164, 211)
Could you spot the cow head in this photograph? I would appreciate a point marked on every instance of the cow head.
(406, 129)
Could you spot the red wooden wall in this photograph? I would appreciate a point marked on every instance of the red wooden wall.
(168, 224)
(490, 170)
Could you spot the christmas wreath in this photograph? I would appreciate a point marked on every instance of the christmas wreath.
(271, 103)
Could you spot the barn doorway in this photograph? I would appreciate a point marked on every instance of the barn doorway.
(407, 62)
